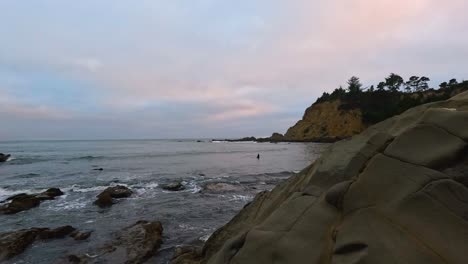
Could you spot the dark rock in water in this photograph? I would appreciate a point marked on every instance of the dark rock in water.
(80, 235)
(199, 141)
(4, 157)
(104, 199)
(59, 232)
(135, 244)
(396, 193)
(99, 169)
(15, 242)
(175, 186)
(201, 174)
(23, 201)
(220, 187)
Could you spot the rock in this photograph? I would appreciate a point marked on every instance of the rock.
(220, 187)
(175, 186)
(104, 199)
(59, 232)
(80, 235)
(15, 242)
(99, 169)
(394, 193)
(23, 201)
(4, 157)
(135, 244)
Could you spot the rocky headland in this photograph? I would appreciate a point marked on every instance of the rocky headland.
(396, 193)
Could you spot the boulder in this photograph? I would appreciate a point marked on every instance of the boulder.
(105, 198)
(21, 202)
(4, 157)
(174, 186)
(396, 193)
(15, 242)
(135, 244)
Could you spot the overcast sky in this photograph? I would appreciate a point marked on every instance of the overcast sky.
(207, 68)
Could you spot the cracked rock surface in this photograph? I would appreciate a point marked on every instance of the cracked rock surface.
(396, 193)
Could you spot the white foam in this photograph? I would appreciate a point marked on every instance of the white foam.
(244, 198)
(205, 237)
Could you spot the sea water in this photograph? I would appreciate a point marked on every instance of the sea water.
(188, 216)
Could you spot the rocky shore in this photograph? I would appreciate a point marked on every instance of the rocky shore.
(396, 193)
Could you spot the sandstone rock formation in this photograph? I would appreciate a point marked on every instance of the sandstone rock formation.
(105, 198)
(23, 201)
(396, 193)
(134, 245)
(326, 122)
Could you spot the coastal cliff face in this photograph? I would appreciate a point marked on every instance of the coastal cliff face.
(326, 122)
(396, 193)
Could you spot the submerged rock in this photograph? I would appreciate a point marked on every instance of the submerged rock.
(23, 201)
(219, 187)
(15, 242)
(395, 193)
(105, 198)
(174, 186)
(4, 157)
(135, 244)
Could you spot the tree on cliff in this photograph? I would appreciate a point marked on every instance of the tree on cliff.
(394, 82)
(354, 85)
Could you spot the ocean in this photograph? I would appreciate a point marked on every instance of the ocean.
(188, 216)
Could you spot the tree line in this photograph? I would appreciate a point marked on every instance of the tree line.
(390, 97)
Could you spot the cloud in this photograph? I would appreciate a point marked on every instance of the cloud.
(219, 63)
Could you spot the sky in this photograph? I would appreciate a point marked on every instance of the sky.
(119, 69)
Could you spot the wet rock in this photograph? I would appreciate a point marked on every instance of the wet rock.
(220, 187)
(174, 186)
(105, 198)
(99, 169)
(15, 242)
(80, 235)
(135, 244)
(4, 157)
(23, 201)
(59, 232)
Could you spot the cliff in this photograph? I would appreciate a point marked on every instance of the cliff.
(396, 193)
(343, 114)
(326, 122)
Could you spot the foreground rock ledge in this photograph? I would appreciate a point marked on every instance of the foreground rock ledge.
(396, 193)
